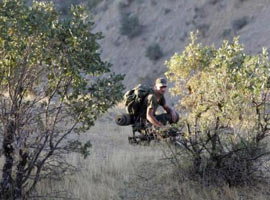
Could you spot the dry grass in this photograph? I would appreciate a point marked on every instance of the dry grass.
(112, 165)
(116, 170)
(194, 191)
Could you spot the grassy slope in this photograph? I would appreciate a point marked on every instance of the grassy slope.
(116, 170)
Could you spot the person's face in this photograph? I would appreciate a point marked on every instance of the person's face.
(162, 90)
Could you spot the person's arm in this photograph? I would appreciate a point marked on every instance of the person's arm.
(170, 111)
(167, 109)
(151, 118)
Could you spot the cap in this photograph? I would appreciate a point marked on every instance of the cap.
(161, 82)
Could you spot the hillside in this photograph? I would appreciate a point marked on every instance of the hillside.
(168, 23)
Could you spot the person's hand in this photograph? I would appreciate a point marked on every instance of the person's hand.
(161, 125)
(174, 116)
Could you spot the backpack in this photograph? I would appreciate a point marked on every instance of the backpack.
(134, 99)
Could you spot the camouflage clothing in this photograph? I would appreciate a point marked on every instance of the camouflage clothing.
(151, 101)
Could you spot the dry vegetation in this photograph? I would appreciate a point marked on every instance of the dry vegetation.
(116, 170)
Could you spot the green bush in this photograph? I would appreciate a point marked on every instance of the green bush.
(154, 52)
(224, 100)
(53, 86)
(130, 25)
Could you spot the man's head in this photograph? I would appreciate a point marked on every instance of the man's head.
(161, 85)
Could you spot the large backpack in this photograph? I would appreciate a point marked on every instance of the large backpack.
(134, 99)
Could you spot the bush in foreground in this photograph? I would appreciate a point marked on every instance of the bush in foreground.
(53, 85)
(225, 100)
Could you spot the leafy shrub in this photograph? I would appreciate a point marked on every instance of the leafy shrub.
(130, 25)
(58, 85)
(154, 52)
(225, 104)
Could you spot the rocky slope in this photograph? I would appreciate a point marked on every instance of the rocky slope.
(169, 23)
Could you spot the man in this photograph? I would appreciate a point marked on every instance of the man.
(146, 109)
(153, 100)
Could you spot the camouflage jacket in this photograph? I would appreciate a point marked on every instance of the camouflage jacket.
(151, 101)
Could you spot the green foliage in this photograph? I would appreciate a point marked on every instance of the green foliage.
(64, 49)
(224, 100)
(130, 25)
(154, 52)
(52, 83)
(85, 149)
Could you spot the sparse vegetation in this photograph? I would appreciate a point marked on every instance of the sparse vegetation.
(225, 104)
(199, 13)
(116, 170)
(154, 52)
(124, 4)
(203, 29)
(240, 23)
(213, 2)
(93, 3)
(227, 33)
(153, 3)
(130, 25)
(166, 11)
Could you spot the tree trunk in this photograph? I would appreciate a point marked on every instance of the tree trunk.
(19, 175)
(7, 182)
